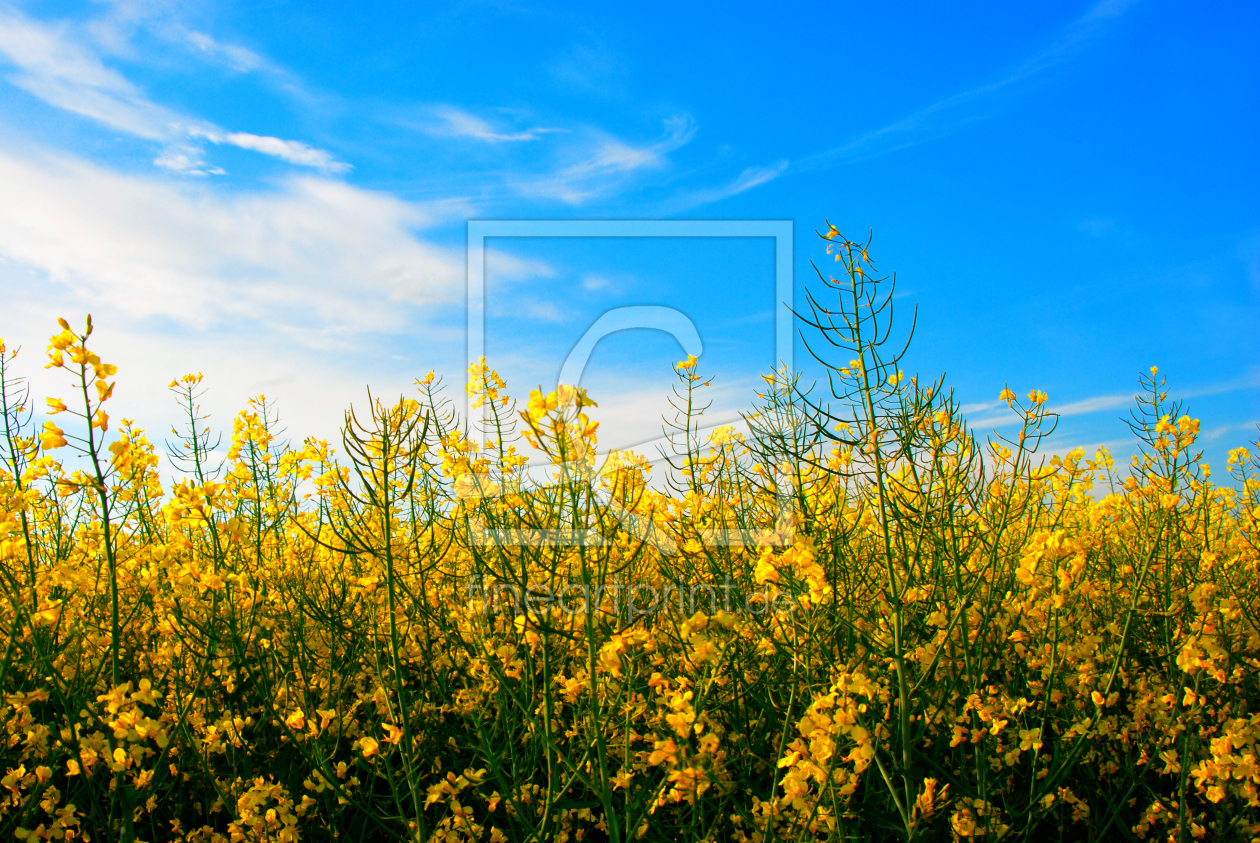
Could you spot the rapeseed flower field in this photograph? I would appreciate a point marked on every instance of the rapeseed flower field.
(853, 619)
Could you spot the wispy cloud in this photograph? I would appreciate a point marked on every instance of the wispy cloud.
(751, 177)
(1248, 381)
(753, 318)
(578, 163)
(604, 162)
(457, 123)
(1083, 407)
(238, 58)
(949, 114)
(56, 65)
(543, 311)
(189, 160)
(115, 29)
(507, 268)
(1215, 433)
(1095, 405)
(295, 152)
(1100, 403)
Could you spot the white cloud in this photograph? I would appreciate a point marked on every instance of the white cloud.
(304, 291)
(595, 282)
(315, 254)
(53, 66)
(310, 386)
(1085, 406)
(294, 152)
(751, 177)
(186, 159)
(1095, 405)
(460, 124)
(502, 267)
(605, 162)
(1252, 428)
(1249, 381)
(754, 318)
(234, 56)
(1100, 403)
(63, 71)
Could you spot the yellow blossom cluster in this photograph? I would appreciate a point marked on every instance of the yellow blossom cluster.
(812, 629)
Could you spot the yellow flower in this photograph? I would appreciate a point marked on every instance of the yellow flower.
(665, 752)
(963, 822)
(1029, 739)
(121, 453)
(52, 437)
(540, 405)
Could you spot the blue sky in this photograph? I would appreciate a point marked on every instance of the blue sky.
(277, 194)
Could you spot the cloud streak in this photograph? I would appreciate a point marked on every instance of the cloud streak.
(63, 71)
(457, 123)
(751, 177)
(947, 115)
(52, 66)
(1100, 403)
(604, 164)
(507, 268)
(233, 56)
(294, 152)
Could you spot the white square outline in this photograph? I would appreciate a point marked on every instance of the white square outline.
(779, 230)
